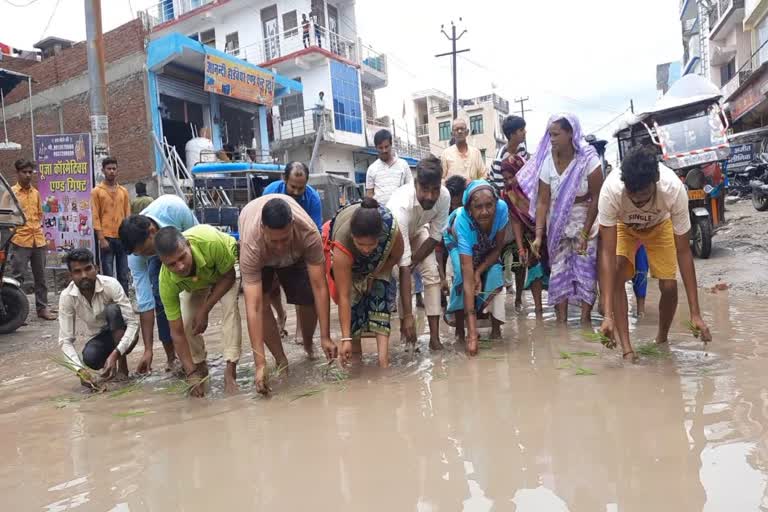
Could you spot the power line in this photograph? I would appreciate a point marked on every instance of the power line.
(50, 19)
(21, 5)
(609, 122)
(453, 38)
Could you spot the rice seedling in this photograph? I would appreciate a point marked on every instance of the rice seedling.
(650, 350)
(182, 387)
(582, 353)
(130, 414)
(125, 390)
(584, 371)
(333, 372)
(82, 373)
(565, 355)
(693, 328)
(494, 357)
(306, 394)
(598, 337)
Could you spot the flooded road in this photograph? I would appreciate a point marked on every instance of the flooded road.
(543, 421)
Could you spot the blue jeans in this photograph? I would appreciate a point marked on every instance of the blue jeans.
(163, 329)
(120, 263)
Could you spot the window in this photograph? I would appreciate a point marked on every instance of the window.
(727, 72)
(445, 130)
(762, 38)
(208, 37)
(347, 112)
(232, 45)
(292, 106)
(476, 125)
(291, 24)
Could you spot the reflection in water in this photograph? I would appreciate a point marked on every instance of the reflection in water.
(514, 429)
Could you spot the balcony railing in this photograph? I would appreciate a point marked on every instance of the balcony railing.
(303, 125)
(422, 130)
(439, 108)
(294, 40)
(373, 60)
(721, 9)
(756, 60)
(169, 10)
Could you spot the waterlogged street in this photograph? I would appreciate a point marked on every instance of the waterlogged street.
(541, 421)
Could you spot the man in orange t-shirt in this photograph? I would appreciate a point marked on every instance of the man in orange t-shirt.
(28, 243)
(111, 205)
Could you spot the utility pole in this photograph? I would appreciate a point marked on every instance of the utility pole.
(632, 105)
(453, 38)
(523, 110)
(97, 83)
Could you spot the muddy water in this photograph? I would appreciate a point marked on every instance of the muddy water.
(517, 428)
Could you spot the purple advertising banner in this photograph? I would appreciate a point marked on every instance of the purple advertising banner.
(65, 182)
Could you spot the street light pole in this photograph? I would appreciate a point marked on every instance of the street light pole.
(97, 83)
(453, 38)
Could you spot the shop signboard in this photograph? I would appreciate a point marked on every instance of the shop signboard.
(240, 81)
(741, 156)
(65, 182)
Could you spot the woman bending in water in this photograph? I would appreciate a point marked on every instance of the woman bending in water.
(362, 244)
(563, 181)
(474, 239)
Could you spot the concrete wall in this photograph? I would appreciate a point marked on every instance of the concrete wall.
(61, 104)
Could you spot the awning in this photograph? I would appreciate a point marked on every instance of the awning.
(10, 79)
(190, 54)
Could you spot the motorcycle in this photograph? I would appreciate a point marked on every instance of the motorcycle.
(758, 184)
(14, 306)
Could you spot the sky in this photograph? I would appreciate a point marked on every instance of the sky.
(588, 57)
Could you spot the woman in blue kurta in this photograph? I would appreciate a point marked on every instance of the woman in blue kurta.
(474, 239)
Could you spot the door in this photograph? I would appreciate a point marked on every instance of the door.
(271, 32)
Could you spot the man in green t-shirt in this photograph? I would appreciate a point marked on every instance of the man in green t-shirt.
(199, 272)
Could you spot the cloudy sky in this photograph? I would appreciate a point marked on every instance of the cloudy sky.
(589, 57)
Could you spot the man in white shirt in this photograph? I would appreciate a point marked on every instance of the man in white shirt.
(104, 308)
(421, 211)
(645, 203)
(388, 173)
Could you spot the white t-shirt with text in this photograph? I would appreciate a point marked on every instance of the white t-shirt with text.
(670, 202)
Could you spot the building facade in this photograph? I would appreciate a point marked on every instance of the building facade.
(325, 54)
(483, 115)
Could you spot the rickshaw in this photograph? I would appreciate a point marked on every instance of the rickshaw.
(688, 129)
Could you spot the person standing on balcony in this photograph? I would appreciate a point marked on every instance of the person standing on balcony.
(305, 30)
(319, 110)
(462, 159)
(111, 205)
(28, 243)
(318, 31)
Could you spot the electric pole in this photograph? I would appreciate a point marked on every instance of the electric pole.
(453, 38)
(523, 110)
(97, 83)
(632, 106)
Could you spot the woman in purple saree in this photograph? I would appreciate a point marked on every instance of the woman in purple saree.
(563, 181)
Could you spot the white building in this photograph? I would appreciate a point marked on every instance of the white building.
(484, 116)
(333, 60)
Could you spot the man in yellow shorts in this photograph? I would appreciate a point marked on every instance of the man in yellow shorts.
(645, 203)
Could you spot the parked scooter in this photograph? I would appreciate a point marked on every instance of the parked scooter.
(14, 306)
(758, 183)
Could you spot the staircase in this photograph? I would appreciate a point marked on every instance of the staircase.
(175, 178)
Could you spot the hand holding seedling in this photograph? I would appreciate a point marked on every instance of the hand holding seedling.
(700, 329)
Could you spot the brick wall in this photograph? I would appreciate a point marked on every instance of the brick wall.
(130, 132)
(72, 62)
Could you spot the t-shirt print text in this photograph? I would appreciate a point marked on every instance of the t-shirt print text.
(641, 221)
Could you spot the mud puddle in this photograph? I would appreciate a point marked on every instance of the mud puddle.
(542, 421)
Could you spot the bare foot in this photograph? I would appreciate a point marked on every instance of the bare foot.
(461, 338)
(230, 378)
(586, 321)
(435, 344)
(495, 335)
(630, 357)
(518, 306)
(472, 347)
